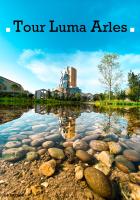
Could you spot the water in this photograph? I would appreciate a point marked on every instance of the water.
(65, 124)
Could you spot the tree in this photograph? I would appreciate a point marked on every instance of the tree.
(15, 88)
(110, 72)
(134, 85)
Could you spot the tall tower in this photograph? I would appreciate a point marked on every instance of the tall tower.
(72, 76)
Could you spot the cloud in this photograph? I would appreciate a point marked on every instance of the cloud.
(47, 67)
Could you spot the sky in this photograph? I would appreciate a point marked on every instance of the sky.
(35, 60)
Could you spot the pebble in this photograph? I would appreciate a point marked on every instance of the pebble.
(37, 142)
(48, 144)
(83, 156)
(79, 172)
(80, 144)
(56, 153)
(98, 182)
(114, 147)
(31, 156)
(13, 144)
(48, 168)
(124, 165)
(99, 145)
(106, 158)
(131, 155)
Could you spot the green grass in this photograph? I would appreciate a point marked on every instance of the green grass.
(29, 101)
(116, 103)
(15, 101)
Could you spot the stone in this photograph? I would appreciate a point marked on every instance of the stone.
(80, 144)
(53, 137)
(111, 137)
(48, 168)
(124, 165)
(83, 156)
(131, 155)
(31, 156)
(98, 145)
(13, 154)
(28, 148)
(41, 151)
(114, 147)
(45, 184)
(36, 189)
(135, 177)
(48, 144)
(56, 153)
(13, 144)
(135, 191)
(26, 141)
(37, 142)
(70, 154)
(68, 144)
(105, 157)
(98, 182)
(103, 168)
(39, 128)
(79, 172)
(88, 193)
(90, 137)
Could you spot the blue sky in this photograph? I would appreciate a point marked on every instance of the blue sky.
(36, 59)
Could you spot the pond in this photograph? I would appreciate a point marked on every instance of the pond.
(29, 126)
(103, 137)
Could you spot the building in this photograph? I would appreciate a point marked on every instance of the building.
(8, 86)
(72, 72)
(68, 81)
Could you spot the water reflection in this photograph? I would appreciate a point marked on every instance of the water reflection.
(8, 113)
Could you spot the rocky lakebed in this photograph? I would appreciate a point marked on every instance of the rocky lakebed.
(70, 154)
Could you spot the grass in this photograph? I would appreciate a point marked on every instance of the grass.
(115, 103)
(15, 101)
(29, 101)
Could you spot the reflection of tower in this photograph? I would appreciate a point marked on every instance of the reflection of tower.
(67, 126)
(72, 76)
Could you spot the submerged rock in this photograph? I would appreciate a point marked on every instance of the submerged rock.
(31, 156)
(48, 144)
(83, 156)
(41, 151)
(48, 168)
(56, 153)
(132, 155)
(80, 144)
(13, 154)
(124, 165)
(114, 147)
(26, 141)
(98, 145)
(13, 144)
(106, 158)
(90, 137)
(37, 142)
(98, 182)
(53, 137)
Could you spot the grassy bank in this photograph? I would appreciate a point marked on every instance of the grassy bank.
(29, 101)
(56, 102)
(15, 101)
(115, 103)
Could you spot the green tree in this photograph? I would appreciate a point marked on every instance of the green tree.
(110, 72)
(134, 85)
(15, 88)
